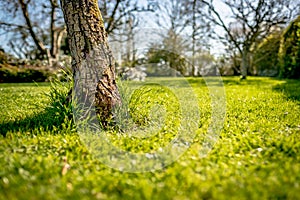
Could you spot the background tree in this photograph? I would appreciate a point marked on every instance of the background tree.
(93, 64)
(184, 34)
(115, 12)
(265, 57)
(200, 34)
(163, 56)
(173, 20)
(37, 27)
(126, 41)
(290, 51)
(253, 21)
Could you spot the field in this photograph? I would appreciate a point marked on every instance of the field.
(255, 154)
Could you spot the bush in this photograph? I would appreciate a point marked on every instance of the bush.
(14, 70)
(13, 74)
(3, 57)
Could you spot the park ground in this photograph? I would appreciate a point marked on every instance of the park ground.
(256, 156)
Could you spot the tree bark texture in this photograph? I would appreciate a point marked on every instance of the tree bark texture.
(92, 61)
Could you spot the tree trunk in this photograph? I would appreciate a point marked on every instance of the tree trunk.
(92, 62)
(194, 39)
(57, 33)
(244, 65)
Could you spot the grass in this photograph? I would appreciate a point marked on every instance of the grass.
(256, 156)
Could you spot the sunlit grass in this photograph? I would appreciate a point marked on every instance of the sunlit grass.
(257, 155)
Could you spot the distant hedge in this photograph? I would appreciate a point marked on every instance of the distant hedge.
(13, 74)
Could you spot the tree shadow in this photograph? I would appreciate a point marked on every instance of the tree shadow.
(53, 117)
(290, 88)
(230, 80)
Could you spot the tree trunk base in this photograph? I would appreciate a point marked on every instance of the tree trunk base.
(243, 78)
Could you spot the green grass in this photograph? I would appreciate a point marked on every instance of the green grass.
(256, 156)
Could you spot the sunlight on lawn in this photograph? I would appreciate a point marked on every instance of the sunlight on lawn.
(256, 156)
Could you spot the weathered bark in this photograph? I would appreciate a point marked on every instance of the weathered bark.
(93, 64)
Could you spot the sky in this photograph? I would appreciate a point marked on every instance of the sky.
(146, 34)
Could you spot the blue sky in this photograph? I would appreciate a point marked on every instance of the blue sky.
(144, 35)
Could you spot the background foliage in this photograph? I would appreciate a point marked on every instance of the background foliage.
(290, 51)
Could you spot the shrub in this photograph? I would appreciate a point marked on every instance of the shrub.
(13, 74)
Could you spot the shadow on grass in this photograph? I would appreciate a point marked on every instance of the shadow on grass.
(55, 117)
(290, 88)
(230, 80)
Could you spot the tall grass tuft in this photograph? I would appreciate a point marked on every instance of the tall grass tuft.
(60, 107)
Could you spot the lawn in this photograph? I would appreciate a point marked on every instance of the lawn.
(255, 154)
